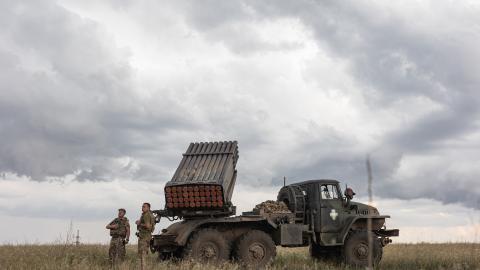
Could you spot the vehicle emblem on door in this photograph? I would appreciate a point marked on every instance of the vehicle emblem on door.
(333, 214)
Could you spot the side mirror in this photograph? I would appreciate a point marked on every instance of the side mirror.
(349, 193)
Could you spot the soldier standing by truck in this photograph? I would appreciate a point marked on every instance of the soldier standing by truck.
(120, 233)
(145, 227)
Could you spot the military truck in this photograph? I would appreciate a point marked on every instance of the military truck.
(317, 215)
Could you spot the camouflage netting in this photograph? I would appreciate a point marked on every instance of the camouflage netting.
(272, 207)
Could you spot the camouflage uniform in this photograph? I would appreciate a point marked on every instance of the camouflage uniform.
(145, 235)
(117, 243)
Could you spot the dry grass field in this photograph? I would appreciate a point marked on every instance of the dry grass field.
(396, 256)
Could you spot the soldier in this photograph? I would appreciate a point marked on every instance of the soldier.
(145, 227)
(120, 233)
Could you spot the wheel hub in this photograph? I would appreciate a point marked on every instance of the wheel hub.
(209, 251)
(361, 251)
(257, 251)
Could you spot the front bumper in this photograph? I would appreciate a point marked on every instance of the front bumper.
(388, 233)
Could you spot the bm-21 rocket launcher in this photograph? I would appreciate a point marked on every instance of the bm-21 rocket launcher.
(309, 213)
(203, 182)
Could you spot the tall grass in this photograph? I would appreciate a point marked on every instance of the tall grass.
(396, 256)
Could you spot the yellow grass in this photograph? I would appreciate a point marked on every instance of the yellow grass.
(396, 256)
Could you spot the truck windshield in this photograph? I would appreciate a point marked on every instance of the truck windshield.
(329, 192)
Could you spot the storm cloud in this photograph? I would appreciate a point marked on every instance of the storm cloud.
(104, 91)
(67, 103)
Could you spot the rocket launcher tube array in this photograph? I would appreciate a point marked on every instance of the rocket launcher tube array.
(205, 177)
(194, 196)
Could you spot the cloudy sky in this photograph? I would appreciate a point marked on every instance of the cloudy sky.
(99, 99)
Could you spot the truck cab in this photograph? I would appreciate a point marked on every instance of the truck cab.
(334, 221)
(326, 212)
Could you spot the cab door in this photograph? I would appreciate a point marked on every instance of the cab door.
(331, 206)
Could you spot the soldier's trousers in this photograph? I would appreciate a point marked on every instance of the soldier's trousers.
(143, 249)
(116, 253)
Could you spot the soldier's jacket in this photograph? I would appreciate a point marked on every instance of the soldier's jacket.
(122, 227)
(146, 218)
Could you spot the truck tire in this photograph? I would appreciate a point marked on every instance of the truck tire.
(207, 245)
(255, 249)
(356, 249)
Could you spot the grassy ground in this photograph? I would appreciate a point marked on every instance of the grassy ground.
(396, 256)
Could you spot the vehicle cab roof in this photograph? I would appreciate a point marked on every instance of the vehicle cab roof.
(317, 181)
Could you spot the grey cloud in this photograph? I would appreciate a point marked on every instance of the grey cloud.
(443, 182)
(66, 103)
(75, 110)
(395, 59)
(431, 132)
(243, 40)
(393, 56)
(61, 210)
(232, 23)
(331, 154)
(212, 13)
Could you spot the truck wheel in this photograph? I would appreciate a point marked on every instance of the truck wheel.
(356, 251)
(255, 249)
(207, 245)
